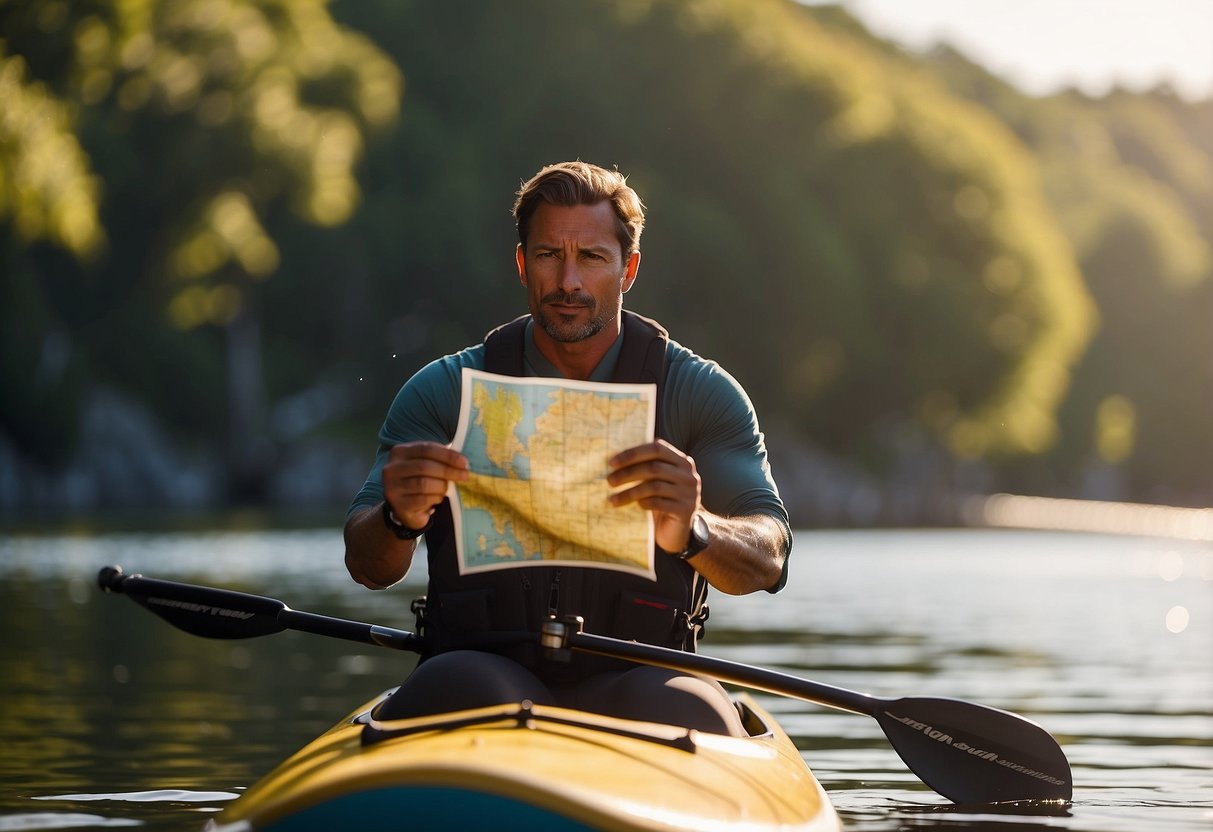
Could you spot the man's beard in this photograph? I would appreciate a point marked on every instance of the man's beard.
(569, 332)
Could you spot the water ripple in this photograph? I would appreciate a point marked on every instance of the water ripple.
(60, 820)
(151, 796)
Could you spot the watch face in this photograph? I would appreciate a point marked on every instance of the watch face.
(700, 537)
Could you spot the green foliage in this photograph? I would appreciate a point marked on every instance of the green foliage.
(878, 245)
(47, 191)
(831, 209)
(220, 130)
(1130, 178)
(48, 196)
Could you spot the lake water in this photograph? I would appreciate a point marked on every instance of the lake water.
(109, 717)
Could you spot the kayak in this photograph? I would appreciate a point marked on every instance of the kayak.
(527, 766)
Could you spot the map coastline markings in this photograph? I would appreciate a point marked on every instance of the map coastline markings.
(537, 494)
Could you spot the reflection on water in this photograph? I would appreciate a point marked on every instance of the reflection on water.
(110, 717)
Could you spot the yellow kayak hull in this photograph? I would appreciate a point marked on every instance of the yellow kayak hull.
(522, 766)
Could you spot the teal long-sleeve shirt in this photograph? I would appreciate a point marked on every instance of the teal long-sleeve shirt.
(703, 412)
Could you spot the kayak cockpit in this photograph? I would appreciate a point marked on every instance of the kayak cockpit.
(536, 767)
(527, 715)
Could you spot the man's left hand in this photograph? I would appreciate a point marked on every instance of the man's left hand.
(662, 479)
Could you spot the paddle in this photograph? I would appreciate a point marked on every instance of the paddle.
(224, 613)
(969, 753)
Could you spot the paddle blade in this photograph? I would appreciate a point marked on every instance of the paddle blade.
(202, 611)
(973, 754)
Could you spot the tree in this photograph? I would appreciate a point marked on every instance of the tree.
(48, 196)
(1132, 186)
(219, 129)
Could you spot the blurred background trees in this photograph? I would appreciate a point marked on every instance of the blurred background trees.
(240, 226)
(192, 140)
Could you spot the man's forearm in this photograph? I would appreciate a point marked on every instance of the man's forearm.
(374, 556)
(746, 553)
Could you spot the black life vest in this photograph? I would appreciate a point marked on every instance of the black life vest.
(487, 610)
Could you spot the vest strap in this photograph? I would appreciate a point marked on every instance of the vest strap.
(641, 359)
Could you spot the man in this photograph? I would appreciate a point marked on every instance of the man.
(716, 511)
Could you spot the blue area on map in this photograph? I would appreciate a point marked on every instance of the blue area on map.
(477, 526)
(476, 440)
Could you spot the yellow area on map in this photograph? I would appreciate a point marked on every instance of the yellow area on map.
(561, 511)
(498, 413)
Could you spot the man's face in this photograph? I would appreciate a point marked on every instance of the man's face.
(575, 271)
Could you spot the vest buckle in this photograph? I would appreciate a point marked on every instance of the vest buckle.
(696, 621)
(417, 608)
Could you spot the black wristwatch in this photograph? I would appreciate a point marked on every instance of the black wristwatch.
(699, 539)
(399, 529)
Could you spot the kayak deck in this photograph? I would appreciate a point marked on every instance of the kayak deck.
(537, 767)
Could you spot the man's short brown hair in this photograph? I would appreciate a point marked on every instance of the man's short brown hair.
(581, 183)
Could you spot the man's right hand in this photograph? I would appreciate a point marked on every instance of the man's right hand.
(416, 477)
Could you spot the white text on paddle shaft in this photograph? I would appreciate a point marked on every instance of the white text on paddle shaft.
(940, 736)
(201, 608)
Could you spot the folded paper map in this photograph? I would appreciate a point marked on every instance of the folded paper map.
(537, 494)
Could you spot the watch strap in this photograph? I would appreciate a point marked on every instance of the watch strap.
(698, 539)
(399, 529)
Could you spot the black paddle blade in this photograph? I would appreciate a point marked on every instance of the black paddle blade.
(973, 754)
(201, 611)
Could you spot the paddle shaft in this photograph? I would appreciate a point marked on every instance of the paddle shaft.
(310, 622)
(209, 608)
(758, 678)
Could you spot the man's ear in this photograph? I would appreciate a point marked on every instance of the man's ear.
(629, 275)
(520, 258)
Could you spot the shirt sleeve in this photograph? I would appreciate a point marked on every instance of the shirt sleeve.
(426, 408)
(708, 415)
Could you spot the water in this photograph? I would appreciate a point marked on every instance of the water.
(111, 718)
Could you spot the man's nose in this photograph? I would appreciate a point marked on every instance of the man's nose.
(570, 275)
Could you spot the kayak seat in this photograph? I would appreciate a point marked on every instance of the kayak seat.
(655, 694)
(468, 679)
(462, 680)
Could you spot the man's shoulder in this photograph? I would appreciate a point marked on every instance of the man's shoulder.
(688, 371)
(448, 368)
(676, 354)
(427, 405)
(437, 384)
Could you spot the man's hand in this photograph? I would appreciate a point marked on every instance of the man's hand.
(746, 553)
(662, 479)
(416, 477)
